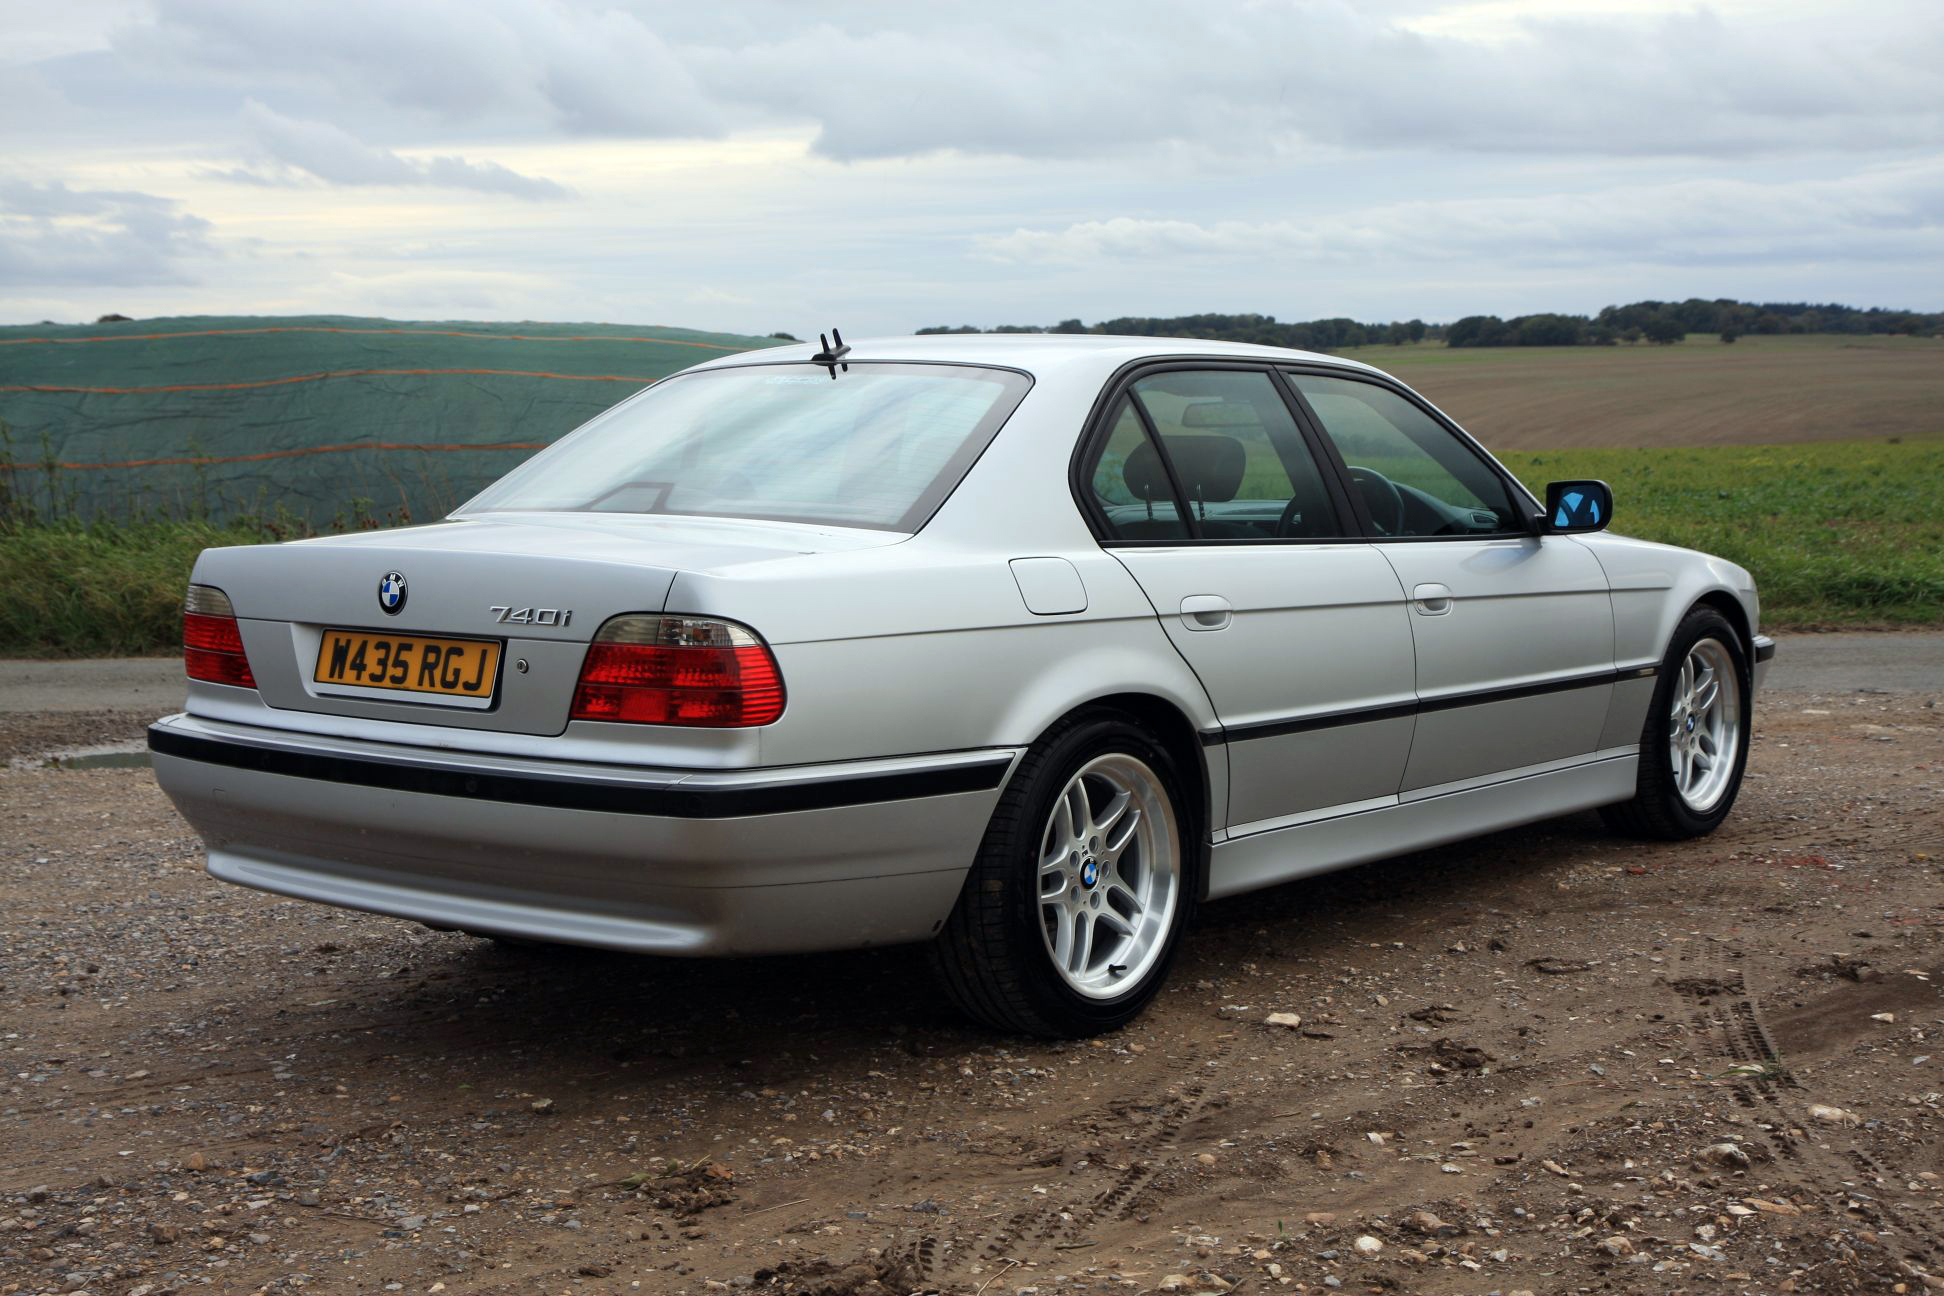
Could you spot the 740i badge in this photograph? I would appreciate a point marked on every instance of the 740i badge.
(531, 616)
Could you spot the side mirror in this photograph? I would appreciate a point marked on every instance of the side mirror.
(1578, 506)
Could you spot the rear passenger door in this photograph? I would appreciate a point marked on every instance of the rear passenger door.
(1206, 489)
(1514, 631)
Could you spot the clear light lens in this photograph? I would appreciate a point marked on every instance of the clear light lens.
(207, 600)
(676, 632)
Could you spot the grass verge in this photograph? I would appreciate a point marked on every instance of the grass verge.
(1837, 534)
(68, 590)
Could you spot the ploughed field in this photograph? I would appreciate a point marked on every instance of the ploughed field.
(1550, 1060)
(1758, 391)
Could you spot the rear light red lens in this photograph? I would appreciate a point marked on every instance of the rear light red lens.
(690, 671)
(212, 646)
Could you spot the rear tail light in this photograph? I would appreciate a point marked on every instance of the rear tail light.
(678, 670)
(212, 647)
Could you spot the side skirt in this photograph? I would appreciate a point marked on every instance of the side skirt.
(1432, 818)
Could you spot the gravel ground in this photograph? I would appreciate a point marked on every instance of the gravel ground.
(1546, 1061)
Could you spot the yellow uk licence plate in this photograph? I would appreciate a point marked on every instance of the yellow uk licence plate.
(464, 668)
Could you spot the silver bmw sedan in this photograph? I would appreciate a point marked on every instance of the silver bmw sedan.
(1021, 646)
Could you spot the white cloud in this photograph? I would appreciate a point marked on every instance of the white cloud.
(1881, 213)
(773, 164)
(1076, 78)
(538, 65)
(333, 155)
(51, 234)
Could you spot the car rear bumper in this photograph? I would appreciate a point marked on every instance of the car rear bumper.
(667, 861)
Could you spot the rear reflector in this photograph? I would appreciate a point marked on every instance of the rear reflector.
(677, 670)
(212, 647)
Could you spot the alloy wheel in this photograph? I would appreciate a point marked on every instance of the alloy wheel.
(1704, 725)
(1109, 875)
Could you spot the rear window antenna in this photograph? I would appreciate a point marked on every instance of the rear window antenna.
(832, 356)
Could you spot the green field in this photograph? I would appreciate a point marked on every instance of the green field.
(312, 417)
(1837, 534)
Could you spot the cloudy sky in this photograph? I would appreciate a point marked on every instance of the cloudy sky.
(751, 166)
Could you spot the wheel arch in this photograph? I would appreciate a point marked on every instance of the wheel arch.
(1177, 733)
(1730, 608)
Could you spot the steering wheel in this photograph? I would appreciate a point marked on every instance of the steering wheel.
(1368, 482)
(1286, 524)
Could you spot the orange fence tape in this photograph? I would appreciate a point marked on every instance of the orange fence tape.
(199, 460)
(322, 328)
(318, 377)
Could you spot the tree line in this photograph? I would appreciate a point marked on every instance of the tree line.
(1641, 321)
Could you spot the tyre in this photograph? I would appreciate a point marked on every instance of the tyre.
(1083, 883)
(1694, 745)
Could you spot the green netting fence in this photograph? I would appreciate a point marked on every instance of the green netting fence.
(313, 418)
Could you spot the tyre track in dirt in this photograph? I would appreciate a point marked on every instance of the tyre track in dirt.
(1065, 1219)
(1820, 1161)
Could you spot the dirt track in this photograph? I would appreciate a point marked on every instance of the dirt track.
(1534, 1038)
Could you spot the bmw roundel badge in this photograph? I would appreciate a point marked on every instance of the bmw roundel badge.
(391, 592)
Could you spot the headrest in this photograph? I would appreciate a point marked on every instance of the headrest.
(1211, 468)
(1221, 413)
(1145, 478)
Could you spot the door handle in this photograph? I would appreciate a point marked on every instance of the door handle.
(1206, 612)
(1431, 600)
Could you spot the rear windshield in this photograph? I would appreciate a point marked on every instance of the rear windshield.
(879, 446)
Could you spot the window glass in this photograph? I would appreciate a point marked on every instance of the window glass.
(880, 446)
(1241, 462)
(1414, 475)
(1131, 486)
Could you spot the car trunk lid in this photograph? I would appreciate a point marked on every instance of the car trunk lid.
(511, 601)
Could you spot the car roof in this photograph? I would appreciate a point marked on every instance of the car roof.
(1036, 353)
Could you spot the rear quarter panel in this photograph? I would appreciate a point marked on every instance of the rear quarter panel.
(914, 650)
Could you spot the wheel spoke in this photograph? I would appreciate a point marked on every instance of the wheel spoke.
(1706, 692)
(1131, 902)
(1117, 843)
(1104, 822)
(1059, 883)
(1063, 938)
(1082, 811)
(1116, 924)
(1083, 931)
(1062, 825)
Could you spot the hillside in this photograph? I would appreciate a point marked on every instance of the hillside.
(317, 416)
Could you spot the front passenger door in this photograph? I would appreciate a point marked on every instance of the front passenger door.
(1514, 631)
